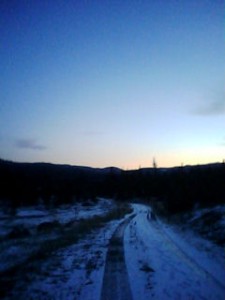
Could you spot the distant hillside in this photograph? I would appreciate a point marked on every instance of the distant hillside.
(175, 189)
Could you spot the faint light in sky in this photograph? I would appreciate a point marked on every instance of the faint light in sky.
(104, 84)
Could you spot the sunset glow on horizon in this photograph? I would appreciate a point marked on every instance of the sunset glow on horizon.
(112, 83)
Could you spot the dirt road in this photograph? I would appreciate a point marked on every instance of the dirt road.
(144, 262)
(115, 282)
(164, 265)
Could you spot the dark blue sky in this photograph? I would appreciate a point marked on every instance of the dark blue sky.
(112, 82)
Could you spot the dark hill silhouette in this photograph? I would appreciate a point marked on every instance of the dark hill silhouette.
(176, 189)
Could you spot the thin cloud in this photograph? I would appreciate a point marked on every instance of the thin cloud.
(92, 133)
(29, 144)
(214, 108)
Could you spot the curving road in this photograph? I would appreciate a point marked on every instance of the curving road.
(170, 267)
(144, 262)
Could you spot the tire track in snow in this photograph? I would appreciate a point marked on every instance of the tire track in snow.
(182, 254)
(115, 282)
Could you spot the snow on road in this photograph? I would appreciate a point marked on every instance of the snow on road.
(115, 270)
(159, 268)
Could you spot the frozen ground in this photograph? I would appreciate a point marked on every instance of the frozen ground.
(209, 222)
(22, 234)
(72, 273)
(162, 262)
(30, 217)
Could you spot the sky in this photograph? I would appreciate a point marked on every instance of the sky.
(112, 83)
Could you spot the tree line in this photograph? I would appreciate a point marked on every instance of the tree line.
(175, 189)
